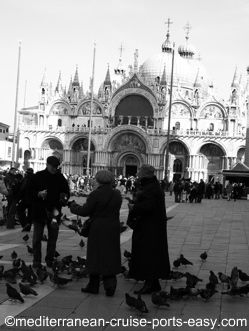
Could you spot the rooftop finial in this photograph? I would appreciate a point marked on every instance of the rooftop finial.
(120, 69)
(187, 28)
(136, 61)
(166, 46)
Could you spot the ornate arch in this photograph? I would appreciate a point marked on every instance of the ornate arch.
(214, 105)
(52, 138)
(184, 104)
(164, 145)
(132, 91)
(98, 109)
(222, 147)
(127, 129)
(80, 136)
(60, 107)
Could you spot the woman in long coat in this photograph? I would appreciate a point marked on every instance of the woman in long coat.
(103, 245)
(150, 258)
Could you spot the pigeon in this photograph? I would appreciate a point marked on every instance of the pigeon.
(60, 281)
(192, 280)
(67, 259)
(30, 250)
(16, 263)
(238, 290)
(136, 303)
(42, 274)
(127, 254)
(175, 275)
(56, 254)
(159, 300)
(26, 290)
(203, 256)
(213, 279)
(26, 237)
(81, 260)
(14, 255)
(177, 263)
(184, 261)
(234, 277)
(44, 237)
(13, 294)
(224, 278)
(178, 293)
(82, 244)
(10, 275)
(243, 276)
(206, 294)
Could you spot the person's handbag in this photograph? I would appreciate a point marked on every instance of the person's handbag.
(85, 229)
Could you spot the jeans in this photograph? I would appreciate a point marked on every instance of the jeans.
(51, 244)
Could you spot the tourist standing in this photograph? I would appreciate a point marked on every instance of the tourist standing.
(103, 245)
(49, 191)
(150, 258)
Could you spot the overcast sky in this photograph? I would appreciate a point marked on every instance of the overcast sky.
(58, 34)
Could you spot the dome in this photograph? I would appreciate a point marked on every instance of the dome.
(185, 70)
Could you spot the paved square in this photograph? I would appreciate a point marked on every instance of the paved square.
(217, 226)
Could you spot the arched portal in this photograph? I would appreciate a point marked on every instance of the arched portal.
(53, 147)
(134, 109)
(212, 160)
(178, 160)
(129, 164)
(79, 155)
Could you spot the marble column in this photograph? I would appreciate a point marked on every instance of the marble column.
(129, 120)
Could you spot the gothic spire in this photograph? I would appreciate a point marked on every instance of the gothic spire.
(235, 82)
(81, 91)
(76, 78)
(107, 80)
(197, 82)
(44, 78)
(58, 86)
(163, 79)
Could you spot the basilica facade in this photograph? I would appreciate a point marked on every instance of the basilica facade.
(130, 120)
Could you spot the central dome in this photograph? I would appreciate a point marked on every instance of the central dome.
(185, 70)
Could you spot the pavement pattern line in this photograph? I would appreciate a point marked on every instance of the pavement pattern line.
(8, 308)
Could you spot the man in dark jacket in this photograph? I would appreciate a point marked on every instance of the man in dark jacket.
(150, 258)
(49, 191)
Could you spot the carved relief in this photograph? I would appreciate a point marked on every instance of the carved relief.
(211, 112)
(179, 110)
(59, 108)
(85, 109)
(129, 141)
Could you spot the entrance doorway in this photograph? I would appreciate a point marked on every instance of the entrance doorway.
(130, 165)
(130, 170)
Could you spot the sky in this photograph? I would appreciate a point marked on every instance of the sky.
(59, 34)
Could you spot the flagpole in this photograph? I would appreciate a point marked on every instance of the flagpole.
(90, 117)
(169, 114)
(16, 107)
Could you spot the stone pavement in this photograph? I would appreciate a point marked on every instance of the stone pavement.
(217, 226)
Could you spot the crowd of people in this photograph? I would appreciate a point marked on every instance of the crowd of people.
(37, 199)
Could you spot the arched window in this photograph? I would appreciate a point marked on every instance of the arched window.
(211, 127)
(59, 122)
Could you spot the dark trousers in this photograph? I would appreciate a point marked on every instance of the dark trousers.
(11, 213)
(51, 244)
(109, 282)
